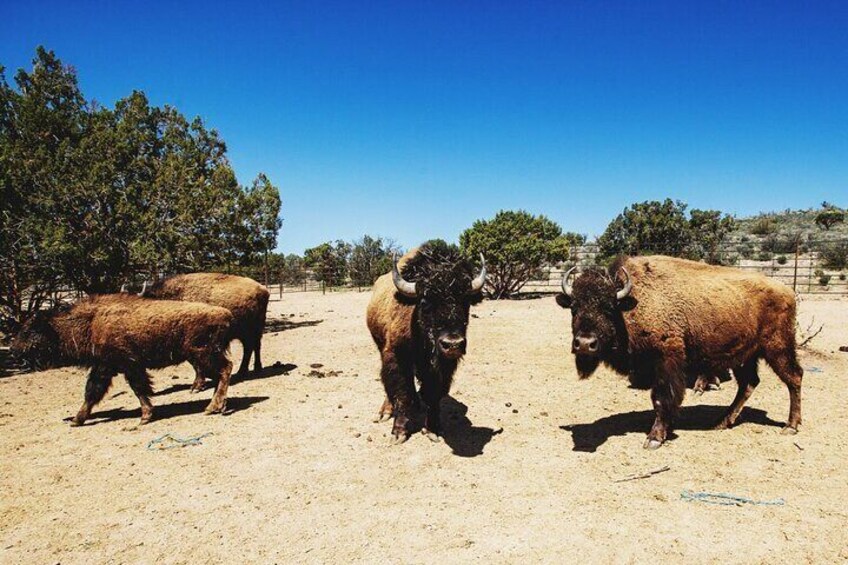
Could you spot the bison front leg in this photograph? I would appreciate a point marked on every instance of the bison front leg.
(666, 396)
(99, 380)
(139, 382)
(399, 382)
(199, 382)
(434, 387)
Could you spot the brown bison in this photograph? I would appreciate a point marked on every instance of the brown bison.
(120, 333)
(418, 317)
(660, 319)
(245, 298)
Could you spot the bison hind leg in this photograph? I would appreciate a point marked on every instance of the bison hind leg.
(785, 364)
(257, 354)
(223, 368)
(385, 412)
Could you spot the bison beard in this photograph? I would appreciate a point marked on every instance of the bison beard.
(586, 365)
(121, 333)
(418, 317)
(665, 331)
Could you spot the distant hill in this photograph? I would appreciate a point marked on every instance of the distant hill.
(785, 224)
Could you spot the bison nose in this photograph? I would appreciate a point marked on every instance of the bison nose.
(452, 343)
(585, 345)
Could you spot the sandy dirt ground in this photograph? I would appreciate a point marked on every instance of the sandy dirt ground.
(298, 472)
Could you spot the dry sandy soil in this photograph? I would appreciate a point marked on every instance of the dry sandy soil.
(298, 472)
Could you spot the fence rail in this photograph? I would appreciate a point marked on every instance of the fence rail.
(806, 266)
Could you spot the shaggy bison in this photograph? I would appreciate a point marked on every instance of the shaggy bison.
(418, 316)
(245, 298)
(120, 333)
(659, 319)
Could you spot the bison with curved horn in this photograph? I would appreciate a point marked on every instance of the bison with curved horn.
(660, 319)
(418, 316)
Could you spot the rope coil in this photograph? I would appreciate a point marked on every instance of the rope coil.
(727, 499)
(159, 444)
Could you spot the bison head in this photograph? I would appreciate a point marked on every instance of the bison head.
(443, 285)
(596, 299)
(37, 343)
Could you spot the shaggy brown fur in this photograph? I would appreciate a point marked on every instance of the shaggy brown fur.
(245, 298)
(407, 332)
(120, 333)
(687, 318)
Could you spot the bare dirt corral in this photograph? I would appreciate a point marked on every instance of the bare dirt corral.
(298, 471)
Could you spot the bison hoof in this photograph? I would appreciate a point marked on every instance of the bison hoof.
(400, 438)
(789, 431)
(215, 409)
(145, 420)
(382, 417)
(76, 423)
(652, 444)
(431, 435)
(722, 425)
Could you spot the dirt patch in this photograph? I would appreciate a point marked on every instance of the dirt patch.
(525, 472)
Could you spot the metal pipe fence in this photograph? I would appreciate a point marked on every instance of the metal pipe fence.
(808, 266)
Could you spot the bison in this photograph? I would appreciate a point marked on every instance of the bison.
(418, 317)
(660, 319)
(120, 333)
(245, 298)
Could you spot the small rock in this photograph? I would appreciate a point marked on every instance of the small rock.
(508, 405)
(515, 410)
(357, 434)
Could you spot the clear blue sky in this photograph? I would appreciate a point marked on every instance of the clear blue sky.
(411, 120)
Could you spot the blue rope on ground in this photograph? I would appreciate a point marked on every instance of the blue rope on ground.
(727, 499)
(159, 443)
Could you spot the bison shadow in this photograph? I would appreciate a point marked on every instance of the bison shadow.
(284, 324)
(165, 411)
(464, 439)
(588, 437)
(271, 371)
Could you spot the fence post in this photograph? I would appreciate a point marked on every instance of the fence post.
(280, 277)
(795, 273)
(810, 271)
(323, 287)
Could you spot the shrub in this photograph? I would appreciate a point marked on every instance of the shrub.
(516, 245)
(781, 260)
(835, 255)
(763, 226)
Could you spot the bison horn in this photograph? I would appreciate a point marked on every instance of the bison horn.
(566, 286)
(480, 280)
(404, 287)
(628, 285)
(124, 288)
(143, 289)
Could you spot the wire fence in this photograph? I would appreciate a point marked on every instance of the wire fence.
(807, 266)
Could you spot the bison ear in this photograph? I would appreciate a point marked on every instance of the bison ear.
(563, 300)
(627, 303)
